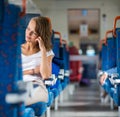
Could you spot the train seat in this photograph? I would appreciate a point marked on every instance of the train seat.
(10, 70)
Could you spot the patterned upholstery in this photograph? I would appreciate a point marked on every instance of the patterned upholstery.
(118, 51)
(29, 112)
(109, 54)
(56, 49)
(9, 54)
(64, 53)
(10, 61)
(116, 95)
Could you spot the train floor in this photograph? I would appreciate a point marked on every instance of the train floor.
(83, 101)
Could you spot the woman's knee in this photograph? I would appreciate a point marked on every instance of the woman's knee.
(103, 78)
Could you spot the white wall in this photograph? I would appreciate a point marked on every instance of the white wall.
(57, 11)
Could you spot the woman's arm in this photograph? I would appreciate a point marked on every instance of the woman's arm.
(44, 69)
(46, 61)
(28, 72)
(35, 71)
(46, 65)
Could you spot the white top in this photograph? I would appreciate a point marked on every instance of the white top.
(30, 62)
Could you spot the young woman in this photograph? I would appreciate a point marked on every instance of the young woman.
(37, 57)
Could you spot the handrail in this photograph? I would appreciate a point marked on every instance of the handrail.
(23, 8)
(114, 25)
(58, 33)
(102, 41)
(106, 34)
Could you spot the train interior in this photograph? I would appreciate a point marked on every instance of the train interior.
(85, 41)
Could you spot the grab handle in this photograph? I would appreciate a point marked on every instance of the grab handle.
(106, 35)
(115, 22)
(23, 8)
(102, 41)
(58, 33)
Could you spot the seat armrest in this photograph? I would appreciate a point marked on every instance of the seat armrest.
(61, 74)
(19, 95)
(114, 78)
(50, 81)
(67, 73)
(15, 97)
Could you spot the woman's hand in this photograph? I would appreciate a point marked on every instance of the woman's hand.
(37, 70)
(41, 43)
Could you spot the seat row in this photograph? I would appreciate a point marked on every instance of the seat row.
(110, 59)
(13, 90)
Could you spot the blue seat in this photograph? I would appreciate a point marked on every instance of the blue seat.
(116, 89)
(112, 84)
(60, 66)
(39, 108)
(61, 57)
(65, 56)
(29, 112)
(116, 95)
(56, 88)
(10, 62)
(108, 57)
(109, 52)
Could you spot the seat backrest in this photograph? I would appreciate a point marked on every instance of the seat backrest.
(1, 10)
(118, 51)
(64, 54)
(108, 55)
(10, 58)
(56, 47)
(1, 16)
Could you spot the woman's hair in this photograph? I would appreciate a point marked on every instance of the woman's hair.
(44, 30)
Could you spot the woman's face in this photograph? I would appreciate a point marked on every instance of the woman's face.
(31, 35)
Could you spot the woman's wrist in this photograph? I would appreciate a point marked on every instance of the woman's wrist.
(43, 50)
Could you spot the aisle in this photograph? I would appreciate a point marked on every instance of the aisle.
(85, 102)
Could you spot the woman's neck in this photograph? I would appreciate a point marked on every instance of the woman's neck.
(29, 48)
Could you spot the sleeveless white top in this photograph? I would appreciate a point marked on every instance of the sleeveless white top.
(30, 62)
